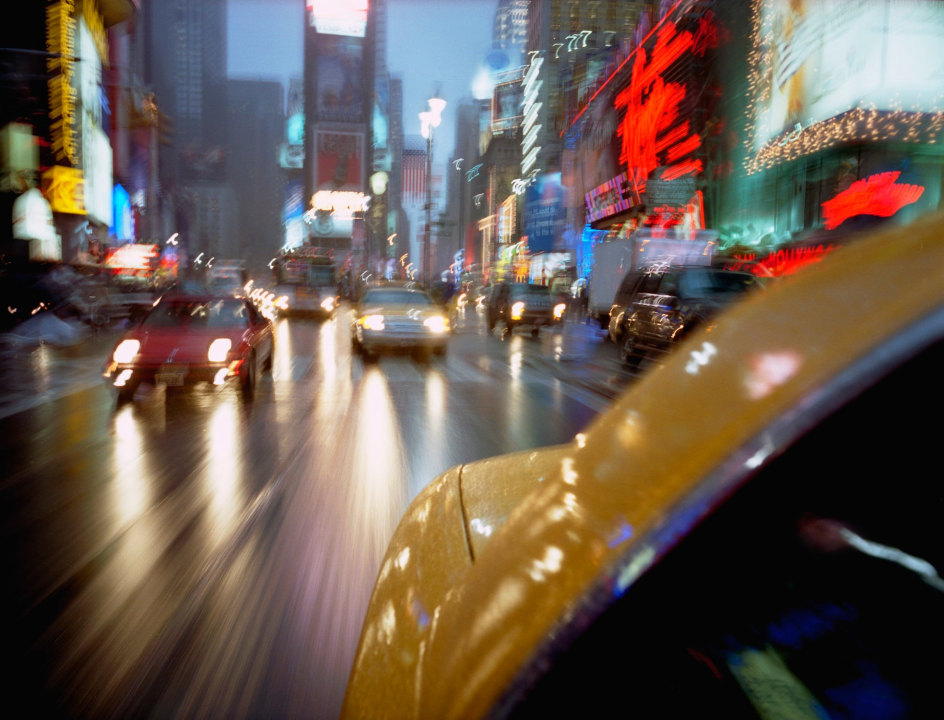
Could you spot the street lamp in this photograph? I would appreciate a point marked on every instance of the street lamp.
(429, 119)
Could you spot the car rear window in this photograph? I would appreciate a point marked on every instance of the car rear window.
(396, 297)
(519, 290)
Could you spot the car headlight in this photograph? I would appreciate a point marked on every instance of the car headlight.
(219, 349)
(126, 350)
(373, 322)
(517, 310)
(437, 323)
(282, 302)
(559, 311)
(328, 304)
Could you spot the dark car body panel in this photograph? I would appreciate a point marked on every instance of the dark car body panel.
(654, 309)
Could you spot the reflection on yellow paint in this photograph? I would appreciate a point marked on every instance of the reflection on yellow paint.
(223, 477)
(403, 558)
(768, 371)
(547, 565)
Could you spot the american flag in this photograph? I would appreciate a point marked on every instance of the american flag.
(414, 175)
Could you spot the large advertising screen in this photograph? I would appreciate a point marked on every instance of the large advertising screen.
(544, 212)
(506, 107)
(836, 70)
(339, 160)
(338, 17)
(339, 92)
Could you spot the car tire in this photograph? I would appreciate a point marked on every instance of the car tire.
(248, 378)
(535, 331)
(629, 356)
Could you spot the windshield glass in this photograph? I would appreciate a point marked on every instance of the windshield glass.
(214, 313)
(708, 281)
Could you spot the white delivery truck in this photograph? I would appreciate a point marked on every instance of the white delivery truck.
(611, 261)
(644, 247)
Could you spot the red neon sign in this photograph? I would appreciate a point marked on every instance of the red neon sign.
(879, 195)
(779, 263)
(652, 131)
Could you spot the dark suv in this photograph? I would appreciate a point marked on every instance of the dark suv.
(654, 309)
(522, 304)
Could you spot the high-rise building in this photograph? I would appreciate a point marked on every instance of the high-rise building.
(187, 68)
(563, 36)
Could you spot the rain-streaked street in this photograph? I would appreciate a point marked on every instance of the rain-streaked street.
(193, 555)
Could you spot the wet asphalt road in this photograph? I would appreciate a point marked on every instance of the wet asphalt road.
(190, 555)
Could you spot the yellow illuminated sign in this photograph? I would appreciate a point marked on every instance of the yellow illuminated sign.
(60, 42)
(96, 25)
(64, 187)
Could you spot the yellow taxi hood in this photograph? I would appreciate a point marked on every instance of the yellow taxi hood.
(433, 547)
(680, 440)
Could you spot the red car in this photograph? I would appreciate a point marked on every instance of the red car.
(185, 340)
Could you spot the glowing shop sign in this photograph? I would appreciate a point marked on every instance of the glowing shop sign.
(879, 195)
(343, 204)
(60, 42)
(133, 257)
(779, 263)
(612, 197)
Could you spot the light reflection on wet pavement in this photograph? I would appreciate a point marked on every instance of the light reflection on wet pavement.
(191, 555)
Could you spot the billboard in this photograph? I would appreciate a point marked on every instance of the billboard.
(338, 17)
(339, 160)
(339, 86)
(837, 70)
(506, 107)
(544, 212)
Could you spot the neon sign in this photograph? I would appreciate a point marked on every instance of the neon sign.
(653, 131)
(779, 263)
(880, 195)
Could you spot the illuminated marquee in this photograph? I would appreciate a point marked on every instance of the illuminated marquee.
(338, 17)
(60, 42)
(881, 195)
(837, 71)
(343, 204)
